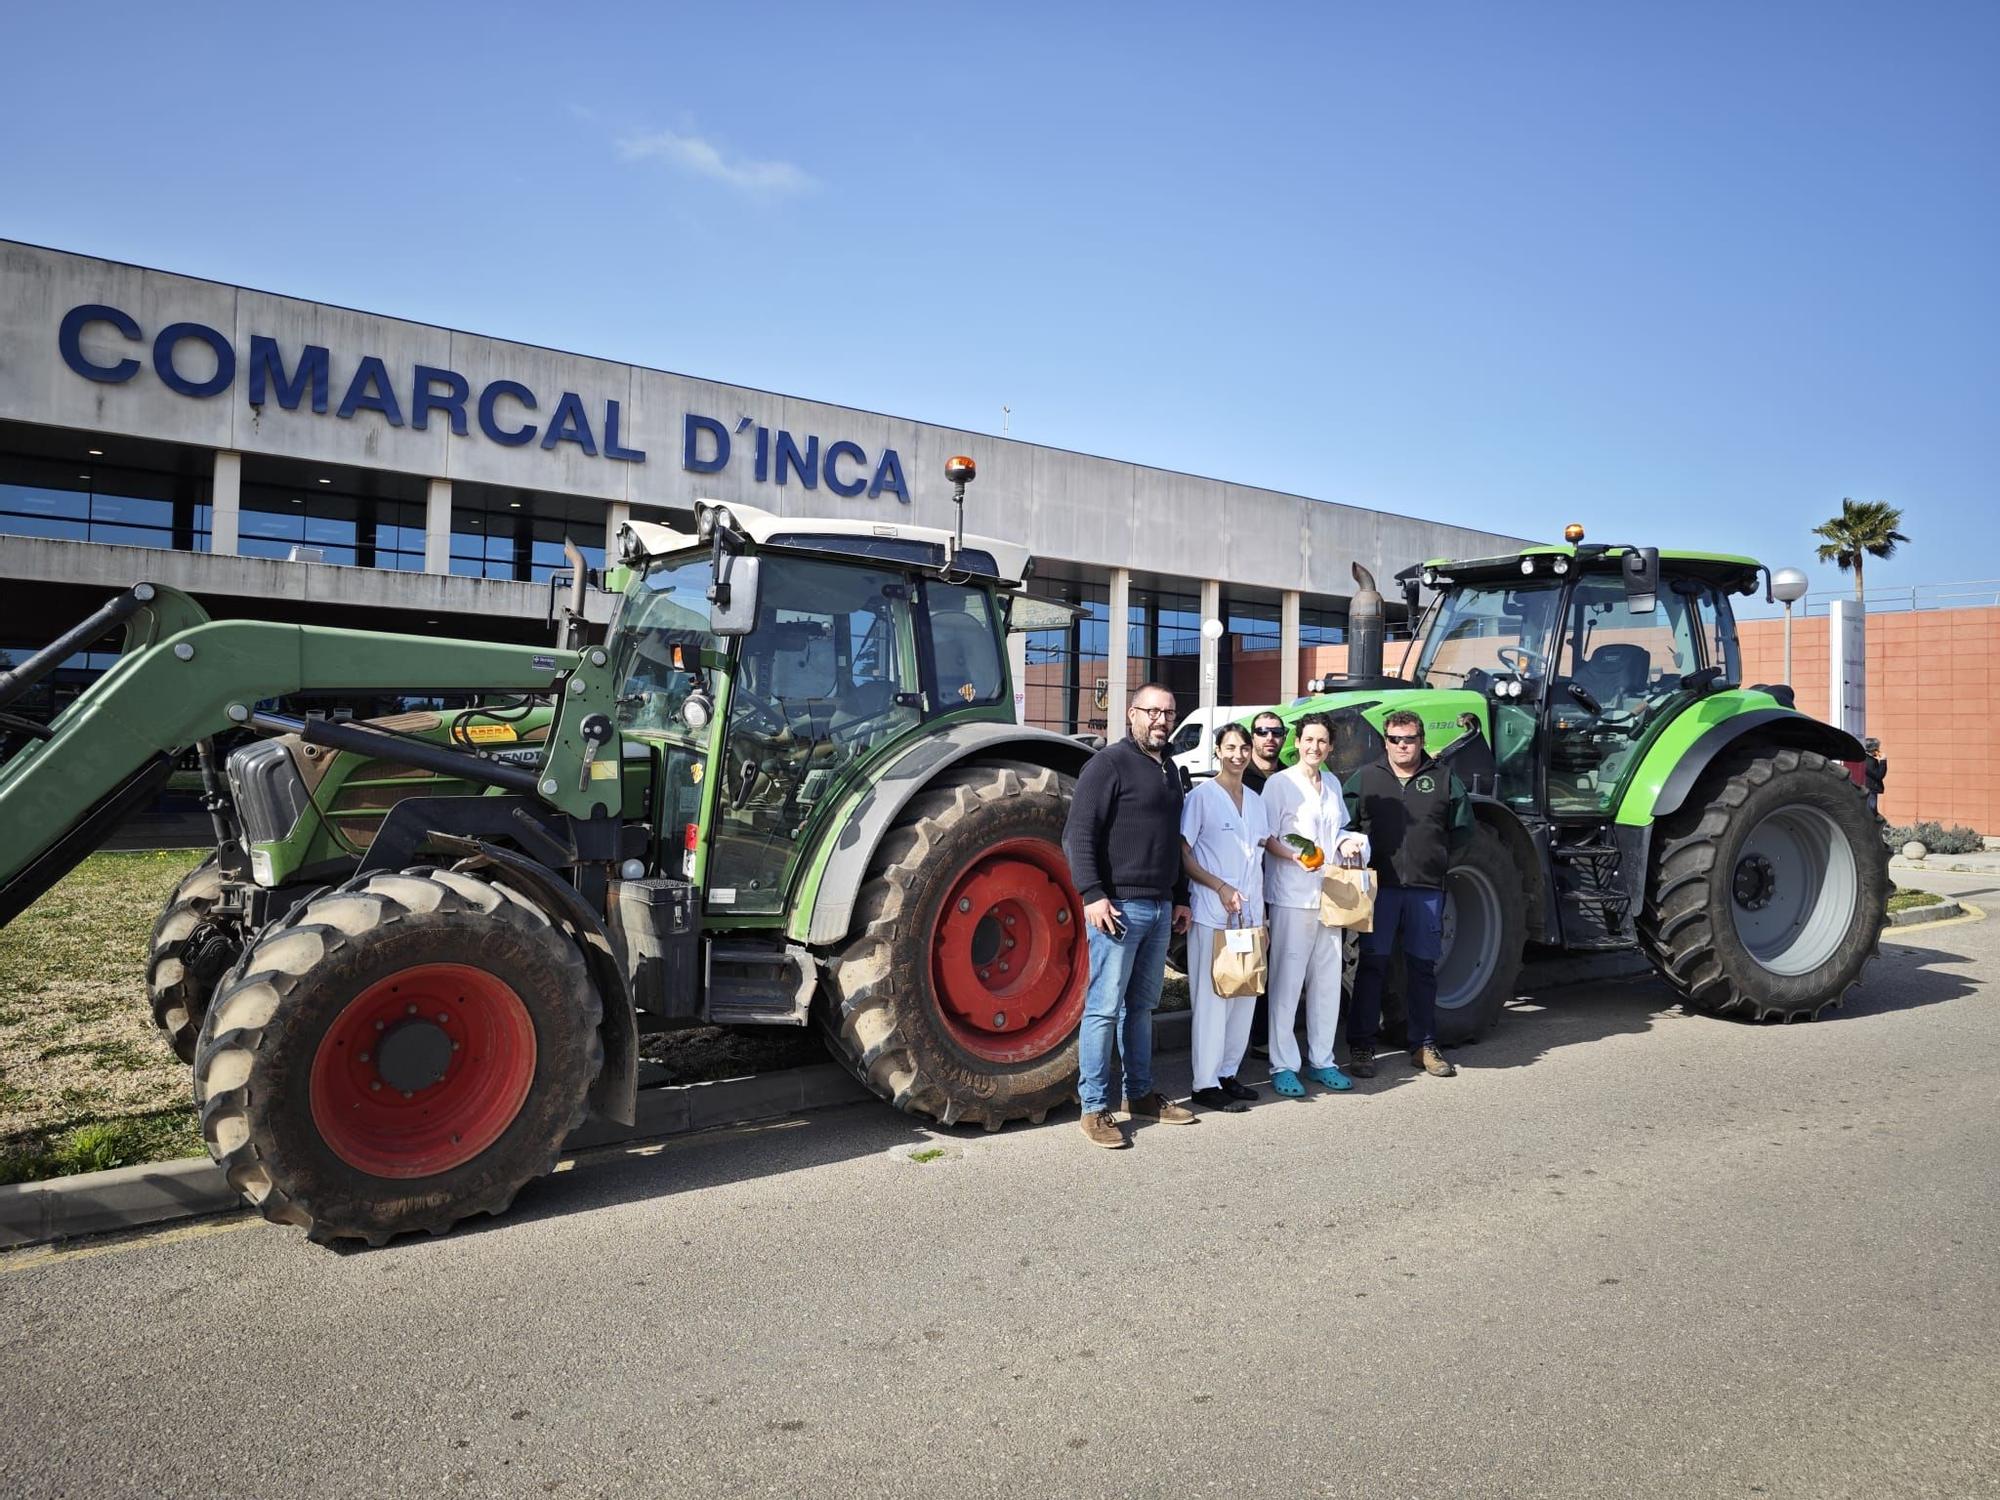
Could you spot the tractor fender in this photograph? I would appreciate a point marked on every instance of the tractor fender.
(615, 1093)
(1782, 726)
(833, 884)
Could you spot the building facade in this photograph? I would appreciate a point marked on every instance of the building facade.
(295, 460)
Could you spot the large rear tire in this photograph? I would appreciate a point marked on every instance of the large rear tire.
(1766, 901)
(189, 952)
(397, 1055)
(959, 995)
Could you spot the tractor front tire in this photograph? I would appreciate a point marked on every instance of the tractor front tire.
(398, 1054)
(1767, 900)
(188, 953)
(959, 995)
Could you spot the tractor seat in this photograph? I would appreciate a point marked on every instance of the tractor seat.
(1615, 672)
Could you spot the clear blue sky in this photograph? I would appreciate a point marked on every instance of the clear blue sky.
(1688, 273)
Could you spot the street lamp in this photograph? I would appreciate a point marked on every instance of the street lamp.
(1211, 634)
(1788, 585)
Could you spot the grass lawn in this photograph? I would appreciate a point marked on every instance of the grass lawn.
(86, 1081)
(1904, 899)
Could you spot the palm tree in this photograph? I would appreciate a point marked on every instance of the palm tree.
(1864, 528)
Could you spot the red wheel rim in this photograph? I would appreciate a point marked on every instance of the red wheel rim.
(423, 1070)
(1009, 961)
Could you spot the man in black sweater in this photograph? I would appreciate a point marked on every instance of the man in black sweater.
(1417, 815)
(1123, 842)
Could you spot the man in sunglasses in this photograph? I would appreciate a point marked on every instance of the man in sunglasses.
(1267, 738)
(1123, 843)
(1417, 815)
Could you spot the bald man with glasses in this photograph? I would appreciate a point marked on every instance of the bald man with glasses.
(1123, 842)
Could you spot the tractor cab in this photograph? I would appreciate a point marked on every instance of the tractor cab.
(774, 661)
(1584, 655)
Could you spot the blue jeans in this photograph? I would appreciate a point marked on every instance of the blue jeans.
(1125, 977)
(1409, 917)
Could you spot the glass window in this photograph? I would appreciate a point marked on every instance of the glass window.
(965, 645)
(1487, 629)
(823, 680)
(656, 651)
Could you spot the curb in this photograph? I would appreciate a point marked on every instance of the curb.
(1916, 916)
(1943, 864)
(34, 1213)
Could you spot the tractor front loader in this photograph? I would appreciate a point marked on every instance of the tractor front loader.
(788, 789)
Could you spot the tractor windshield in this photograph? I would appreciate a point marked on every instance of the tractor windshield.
(1488, 628)
(656, 650)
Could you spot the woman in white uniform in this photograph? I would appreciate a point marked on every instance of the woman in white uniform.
(1305, 956)
(1222, 849)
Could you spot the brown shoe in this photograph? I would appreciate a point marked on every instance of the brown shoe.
(1434, 1063)
(1157, 1107)
(1101, 1130)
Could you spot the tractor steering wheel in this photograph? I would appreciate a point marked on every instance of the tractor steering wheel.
(758, 714)
(1526, 665)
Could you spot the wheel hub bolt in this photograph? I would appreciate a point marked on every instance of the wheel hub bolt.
(406, 1093)
(375, 1087)
(1008, 921)
(364, 1057)
(412, 1010)
(985, 973)
(999, 1018)
(1062, 917)
(964, 904)
(442, 1018)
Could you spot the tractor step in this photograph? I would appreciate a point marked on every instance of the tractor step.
(756, 983)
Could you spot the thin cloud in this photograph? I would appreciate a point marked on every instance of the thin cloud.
(690, 153)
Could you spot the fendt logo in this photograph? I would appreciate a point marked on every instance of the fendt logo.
(507, 411)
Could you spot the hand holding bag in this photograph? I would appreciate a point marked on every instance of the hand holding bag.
(1347, 899)
(1240, 962)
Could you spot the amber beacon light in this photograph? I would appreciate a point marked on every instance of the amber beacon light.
(1573, 533)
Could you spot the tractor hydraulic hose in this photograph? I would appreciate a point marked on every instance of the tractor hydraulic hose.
(464, 764)
(16, 682)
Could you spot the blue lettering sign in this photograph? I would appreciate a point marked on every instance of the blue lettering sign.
(848, 488)
(691, 434)
(762, 468)
(369, 391)
(267, 365)
(611, 448)
(451, 400)
(507, 437)
(806, 466)
(570, 425)
(889, 476)
(69, 339)
(163, 359)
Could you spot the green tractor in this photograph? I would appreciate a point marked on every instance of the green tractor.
(1630, 790)
(788, 789)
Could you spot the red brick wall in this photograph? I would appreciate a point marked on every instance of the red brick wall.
(1933, 701)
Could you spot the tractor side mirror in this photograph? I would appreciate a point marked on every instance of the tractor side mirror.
(732, 597)
(1642, 579)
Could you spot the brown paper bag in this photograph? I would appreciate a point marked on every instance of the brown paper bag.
(1238, 967)
(1347, 899)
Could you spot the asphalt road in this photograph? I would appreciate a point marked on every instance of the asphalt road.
(1626, 1252)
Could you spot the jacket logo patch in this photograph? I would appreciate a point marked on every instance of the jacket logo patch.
(1425, 784)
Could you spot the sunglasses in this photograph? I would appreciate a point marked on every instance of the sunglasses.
(1403, 739)
(1270, 732)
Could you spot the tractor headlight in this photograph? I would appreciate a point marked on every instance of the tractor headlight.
(1561, 566)
(1527, 565)
(696, 710)
(1430, 578)
(704, 522)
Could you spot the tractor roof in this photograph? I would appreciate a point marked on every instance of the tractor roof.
(925, 546)
(1727, 568)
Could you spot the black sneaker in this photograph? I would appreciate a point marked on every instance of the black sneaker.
(1361, 1062)
(1237, 1090)
(1220, 1100)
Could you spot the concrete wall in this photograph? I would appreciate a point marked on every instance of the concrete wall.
(1063, 505)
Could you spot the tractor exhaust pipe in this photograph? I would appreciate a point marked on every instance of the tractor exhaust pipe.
(1367, 624)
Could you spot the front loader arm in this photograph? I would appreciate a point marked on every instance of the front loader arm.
(166, 697)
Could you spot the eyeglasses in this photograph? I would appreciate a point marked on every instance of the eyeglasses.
(1151, 713)
(1270, 731)
(1403, 739)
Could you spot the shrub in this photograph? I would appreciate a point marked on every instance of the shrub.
(1936, 837)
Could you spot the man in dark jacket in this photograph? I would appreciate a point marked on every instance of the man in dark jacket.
(1417, 815)
(1123, 842)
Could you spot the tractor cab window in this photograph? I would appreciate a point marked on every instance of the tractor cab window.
(824, 679)
(657, 644)
(1617, 671)
(1480, 632)
(965, 645)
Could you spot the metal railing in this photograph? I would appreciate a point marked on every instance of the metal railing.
(1982, 593)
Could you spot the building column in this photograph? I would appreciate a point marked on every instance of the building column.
(1211, 650)
(1117, 654)
(1288, 646)
(225, 504)
(437, 527)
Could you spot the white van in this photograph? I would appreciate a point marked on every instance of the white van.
(1192, 744)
